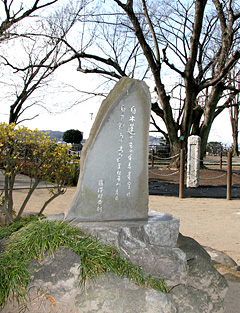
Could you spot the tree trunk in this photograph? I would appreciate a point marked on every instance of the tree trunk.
(234, 114)
(175, 149)
(235, 144)
(8, 192)
(191, 91)
(196, 120)
(210, 108)
(60, 192)
(30, 192)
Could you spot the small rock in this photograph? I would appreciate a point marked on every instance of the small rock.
(219, 257)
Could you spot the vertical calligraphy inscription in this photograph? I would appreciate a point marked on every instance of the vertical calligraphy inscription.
(113, 183)
(131, 134)
(121, 127)
(126, 133)
(100, 196)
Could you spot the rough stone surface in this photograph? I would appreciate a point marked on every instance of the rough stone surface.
(150, 243)
(208, 280)
(166, 262)
(57, 279)
(114, 294)
(159, 229)
(191, 300)
(55, 286)
(58, 273)
(202, 275)
(163, 233)
(192, 248)
(193, 161)
(113, 183)
(219, 257)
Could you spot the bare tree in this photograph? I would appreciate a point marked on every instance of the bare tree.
(197, 41)
(234, 103)
(14, 12)
(42, 51)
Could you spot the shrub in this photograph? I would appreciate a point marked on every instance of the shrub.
(33, 153)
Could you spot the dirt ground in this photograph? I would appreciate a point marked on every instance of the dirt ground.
(204, 214)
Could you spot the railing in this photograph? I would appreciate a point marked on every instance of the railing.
(228, 172)
(75, 153)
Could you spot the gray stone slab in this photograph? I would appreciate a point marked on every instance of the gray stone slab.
(113, 183)
(193, 161)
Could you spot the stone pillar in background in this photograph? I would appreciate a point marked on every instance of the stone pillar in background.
(193, 161)
(113, 183)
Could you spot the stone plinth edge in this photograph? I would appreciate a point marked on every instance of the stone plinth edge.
(159, 229)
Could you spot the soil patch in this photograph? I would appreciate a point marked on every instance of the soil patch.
(213, 183)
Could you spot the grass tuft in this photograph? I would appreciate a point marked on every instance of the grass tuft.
(6, 231)
(37, 237)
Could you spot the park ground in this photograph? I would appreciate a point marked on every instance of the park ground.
(204, 213)
(212, 222)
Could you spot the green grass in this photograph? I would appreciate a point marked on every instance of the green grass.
(36, 237)
(6, 231)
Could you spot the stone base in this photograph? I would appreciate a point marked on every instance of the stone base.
(159, 229)
(156, 245)
(150, 243)
(195, 285)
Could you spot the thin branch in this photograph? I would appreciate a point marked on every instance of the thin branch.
(170, 65)
(145, 10)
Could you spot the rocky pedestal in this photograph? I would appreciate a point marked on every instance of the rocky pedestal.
(150, 243)
(154, 244)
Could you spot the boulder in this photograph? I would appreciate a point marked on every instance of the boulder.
(196, 286)
(55, 287)
(192, 248)
(115, 294)
(202, 275)
(191, 300)
(219, 257)
(167, 262)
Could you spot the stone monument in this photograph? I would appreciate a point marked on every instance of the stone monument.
(111, 200)
(193, 161)
(113, 183)
(111, 203)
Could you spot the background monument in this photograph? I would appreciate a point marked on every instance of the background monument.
(193, 161)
